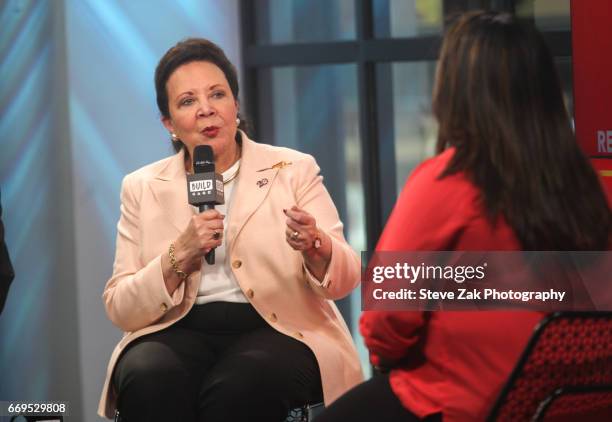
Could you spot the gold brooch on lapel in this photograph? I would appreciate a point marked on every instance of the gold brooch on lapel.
(262, 182)
(280, 165)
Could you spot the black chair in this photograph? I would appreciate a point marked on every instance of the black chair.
(305, 413)
(564, 374)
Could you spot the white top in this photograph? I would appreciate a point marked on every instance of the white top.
(218, 283)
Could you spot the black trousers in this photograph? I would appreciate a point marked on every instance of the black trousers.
(222, 362)
(371, 401)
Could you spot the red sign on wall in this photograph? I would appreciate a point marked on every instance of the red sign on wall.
(592, 65)
(603, 166)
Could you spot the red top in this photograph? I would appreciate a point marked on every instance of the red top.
(461, 359)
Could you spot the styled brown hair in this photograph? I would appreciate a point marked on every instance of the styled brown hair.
(187, 51)
(498, 102)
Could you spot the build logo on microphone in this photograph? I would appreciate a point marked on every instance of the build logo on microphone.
(201, 187)
(205, 188)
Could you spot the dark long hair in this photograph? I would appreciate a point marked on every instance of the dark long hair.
(498, 101)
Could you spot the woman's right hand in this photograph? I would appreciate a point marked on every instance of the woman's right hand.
(203, 233)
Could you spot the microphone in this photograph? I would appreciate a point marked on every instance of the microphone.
(204, 186)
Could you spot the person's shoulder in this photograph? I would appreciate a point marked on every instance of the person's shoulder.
(434, 166)
(301, 162)
(431, 211)
(151, 170)
(426, 189)
(430, 170)
(148, 172)
(280, 153)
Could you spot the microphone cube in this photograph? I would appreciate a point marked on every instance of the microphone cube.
(205, 188)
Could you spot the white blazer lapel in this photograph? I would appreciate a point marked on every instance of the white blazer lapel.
(169, 188)
(256, 178)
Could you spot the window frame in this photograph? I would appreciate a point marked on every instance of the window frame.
(366, 51)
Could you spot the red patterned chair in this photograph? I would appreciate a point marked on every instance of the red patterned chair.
(564, 374)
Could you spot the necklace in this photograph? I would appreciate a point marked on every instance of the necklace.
(232, 177)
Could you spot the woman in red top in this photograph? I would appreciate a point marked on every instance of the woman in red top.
(509, 175)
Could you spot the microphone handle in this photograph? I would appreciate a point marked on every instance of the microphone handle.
(210, 256)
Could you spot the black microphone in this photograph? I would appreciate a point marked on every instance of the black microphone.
(204, 186)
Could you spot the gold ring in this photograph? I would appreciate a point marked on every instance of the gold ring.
(295, 235)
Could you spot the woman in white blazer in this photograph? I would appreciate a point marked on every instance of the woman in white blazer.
(257, 332)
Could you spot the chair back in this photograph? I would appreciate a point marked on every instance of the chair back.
(564, 373)
(305, 413)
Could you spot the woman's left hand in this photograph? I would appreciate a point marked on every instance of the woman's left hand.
(303, 235)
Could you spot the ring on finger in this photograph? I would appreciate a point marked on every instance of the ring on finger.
(295, 235)
(216, 235)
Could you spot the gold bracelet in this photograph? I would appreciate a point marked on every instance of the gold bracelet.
(182, 274)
